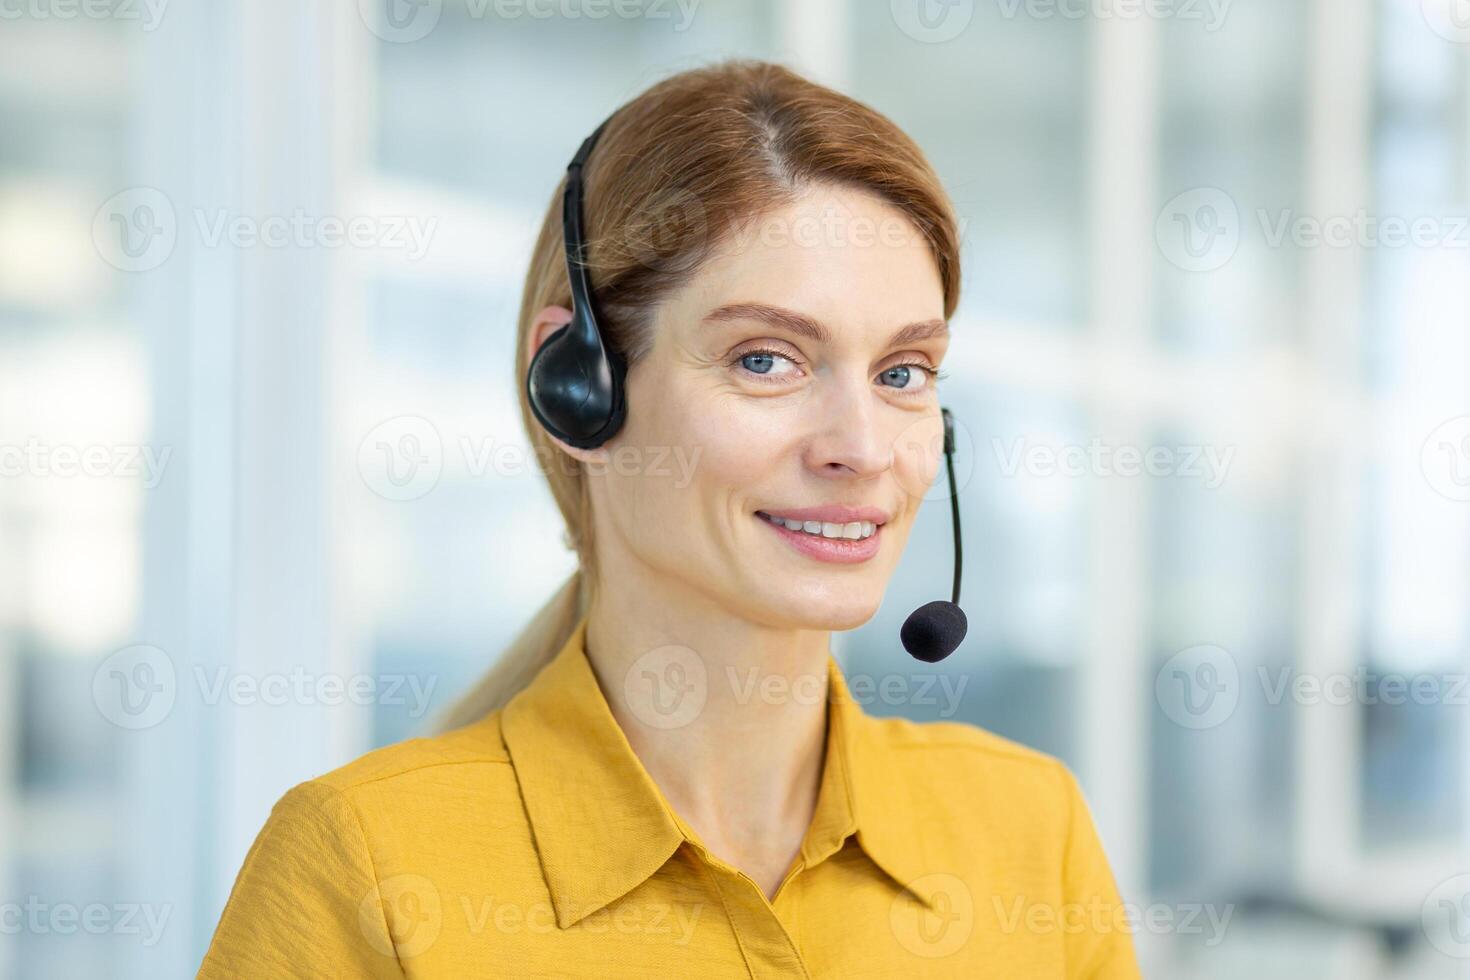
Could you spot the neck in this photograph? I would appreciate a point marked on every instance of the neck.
(727, 716)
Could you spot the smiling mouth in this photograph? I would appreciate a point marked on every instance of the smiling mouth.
(851, 531)
(827, 541)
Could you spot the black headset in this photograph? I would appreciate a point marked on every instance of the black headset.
(576, 385)
(576, 381)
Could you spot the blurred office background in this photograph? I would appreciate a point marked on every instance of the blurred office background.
(1226, 238)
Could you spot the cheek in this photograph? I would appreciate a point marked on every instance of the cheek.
(730, 430)
(735, 452)
(731, 442)
(918, 455)
(687, 461)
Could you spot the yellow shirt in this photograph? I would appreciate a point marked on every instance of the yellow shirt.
(533, 843)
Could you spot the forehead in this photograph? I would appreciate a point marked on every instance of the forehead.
(838, 254)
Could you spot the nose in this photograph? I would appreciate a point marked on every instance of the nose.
(850, 438)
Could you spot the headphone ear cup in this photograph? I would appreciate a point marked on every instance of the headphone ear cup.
(575, 382)
(575, 388)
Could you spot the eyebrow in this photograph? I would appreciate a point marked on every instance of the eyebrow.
(799, 323)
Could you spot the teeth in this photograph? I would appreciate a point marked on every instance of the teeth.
(853, 530)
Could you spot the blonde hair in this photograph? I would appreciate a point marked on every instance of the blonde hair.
(681, 163)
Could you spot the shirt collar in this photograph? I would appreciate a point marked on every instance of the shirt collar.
(885, 808)
(602, 827)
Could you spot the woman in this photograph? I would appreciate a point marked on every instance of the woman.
(667, 775)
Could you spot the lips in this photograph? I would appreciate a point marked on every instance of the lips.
(829, 513)
(825, 538)
(851, 530)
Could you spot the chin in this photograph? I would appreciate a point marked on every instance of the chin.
(823, 611)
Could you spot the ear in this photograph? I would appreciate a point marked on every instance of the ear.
(547, 322)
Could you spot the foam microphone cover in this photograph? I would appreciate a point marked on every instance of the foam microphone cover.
(934, 630)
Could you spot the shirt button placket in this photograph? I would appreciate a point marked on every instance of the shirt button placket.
(769, 949)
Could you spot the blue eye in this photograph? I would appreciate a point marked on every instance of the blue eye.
(898, 377)
(759, 362)
(768, 364)
(898, 373)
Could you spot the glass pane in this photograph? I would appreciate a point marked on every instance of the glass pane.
(1225, 569)
(1000, 109)
(74, 416)
(1231, 132)
(1417, 364)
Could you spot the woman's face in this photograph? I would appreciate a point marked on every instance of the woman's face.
(793, 378)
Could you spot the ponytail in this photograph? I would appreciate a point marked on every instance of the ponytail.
(535, 646)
